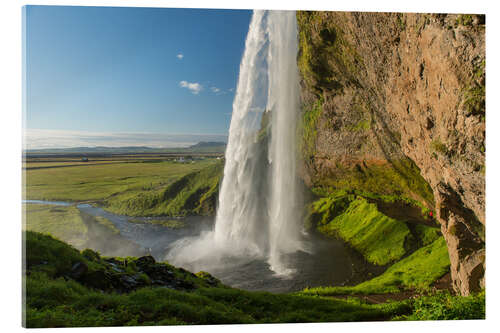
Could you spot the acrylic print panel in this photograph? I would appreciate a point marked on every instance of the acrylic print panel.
(209, 166)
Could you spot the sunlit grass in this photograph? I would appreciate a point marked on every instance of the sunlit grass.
(417, 271)
(99, 182)
(379, 238)
(63, 222)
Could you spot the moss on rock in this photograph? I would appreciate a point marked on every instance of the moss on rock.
(379, 238)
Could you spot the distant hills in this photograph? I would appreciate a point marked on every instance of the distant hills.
(200, 147)
(203, 144)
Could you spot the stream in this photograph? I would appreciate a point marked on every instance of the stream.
(327, 262)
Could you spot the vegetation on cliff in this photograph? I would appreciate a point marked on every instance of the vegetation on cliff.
(329, 64)
(379, 238)
(331, 68)
(415, 272)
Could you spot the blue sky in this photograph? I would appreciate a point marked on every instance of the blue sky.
(97, 71)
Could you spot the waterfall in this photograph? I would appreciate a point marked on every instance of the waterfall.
(283, 100)
(258, 213)
(240, 219)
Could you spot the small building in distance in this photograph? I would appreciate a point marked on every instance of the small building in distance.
(85, 159)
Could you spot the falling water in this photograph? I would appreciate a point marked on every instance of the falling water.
(240, 221)
(283, 100)
(258, 213)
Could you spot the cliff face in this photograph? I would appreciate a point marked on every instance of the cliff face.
(393, 104)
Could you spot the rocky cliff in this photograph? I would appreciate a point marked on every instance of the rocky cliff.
(394, 105)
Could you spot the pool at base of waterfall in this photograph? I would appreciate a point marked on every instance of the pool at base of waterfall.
(327, 261)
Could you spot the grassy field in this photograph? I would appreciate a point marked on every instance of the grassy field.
(195, 193)
(54, 301)
(80, 230)
(109, 183)
(60, 221)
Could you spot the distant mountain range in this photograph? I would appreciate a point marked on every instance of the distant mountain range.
(203, 144)
(200, 147)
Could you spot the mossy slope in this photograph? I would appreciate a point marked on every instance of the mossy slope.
(379, 238)
(193, 194)
(358, 220)
(417, 271)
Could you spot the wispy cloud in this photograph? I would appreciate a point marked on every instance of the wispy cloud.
(180, 56)
(219, 91)
(194, 87)
(42, 138)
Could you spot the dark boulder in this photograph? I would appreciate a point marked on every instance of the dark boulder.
(98, 279)
(78, 270)
(144, 262)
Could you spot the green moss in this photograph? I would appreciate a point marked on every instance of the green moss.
(422, 21)
(427, 234)
(323, 210)
(362, 125)
(379, 238)
(400, 178)
(309, 130)
(50, 255)
(417, 271)
(401, 21)
(479, 70)
(464, 19)
(474, 100)
(53, 301)
(439, 147)
(91, 255)
(144, 278)
(326, 59)
(452, 230)
(444, 306)
(482, 170)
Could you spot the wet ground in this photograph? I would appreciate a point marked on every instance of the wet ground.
(327, 262)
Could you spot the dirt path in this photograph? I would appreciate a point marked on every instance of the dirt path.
(444, 283)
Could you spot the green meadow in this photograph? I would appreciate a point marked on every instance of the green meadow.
(55, 299)
(111, 185)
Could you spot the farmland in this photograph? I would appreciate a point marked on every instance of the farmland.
(107, 181)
